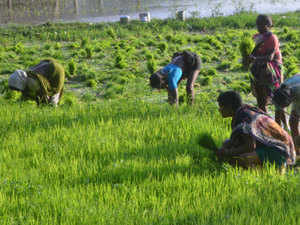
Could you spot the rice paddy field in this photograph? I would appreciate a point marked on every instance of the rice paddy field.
(114, 152)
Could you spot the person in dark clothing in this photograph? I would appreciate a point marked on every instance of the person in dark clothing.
(43, 82)
(184, 65)
(256, 138)
(289, 94)
(266, 66)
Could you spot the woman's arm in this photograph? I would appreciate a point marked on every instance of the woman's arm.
(244, 144)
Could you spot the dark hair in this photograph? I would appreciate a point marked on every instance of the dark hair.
(282, 97)
(264, 20)
(156, 81)
(230, 99)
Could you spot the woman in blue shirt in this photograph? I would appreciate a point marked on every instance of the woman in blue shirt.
(184, 65)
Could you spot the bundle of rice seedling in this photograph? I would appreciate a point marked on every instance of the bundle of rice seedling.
(246, 47)
(205, 140)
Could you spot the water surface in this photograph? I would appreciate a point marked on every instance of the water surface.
(39, 11)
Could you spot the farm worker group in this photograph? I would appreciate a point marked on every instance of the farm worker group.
(256, 138)
(43, 82)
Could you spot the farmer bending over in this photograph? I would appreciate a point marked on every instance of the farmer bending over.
(289, 93)
(43, 83)
(266, 66)
(256, 138)
(184, 65)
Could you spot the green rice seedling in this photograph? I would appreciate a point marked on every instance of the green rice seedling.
(159, 37)
(111, 32)
(206, 80)
(224, 65)
(3, 86)
(81, 53)
(205, 46)
(241, 86)
(74, 45)
(151, 66)
(47, 46)
(286, 49)
(68, 100)
(99, 47)
(120, 60)
(12, 95)
(89, 52)
(214, 42)
(169, 38)
(163, 46)
(91, 83)
(205, 140)
(285, 30)
(151, 43)
(291, 70)
(19, 48)
(297, 54)
(206, 59)
(72, 67)
(246, 47)
(208, 72)
(84, 43)
(57, 46)
(292, 36)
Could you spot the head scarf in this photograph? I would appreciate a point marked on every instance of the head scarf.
(17, 80)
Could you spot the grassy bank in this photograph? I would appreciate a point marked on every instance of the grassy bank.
(120, 156)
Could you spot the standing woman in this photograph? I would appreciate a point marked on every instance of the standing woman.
(266, 66)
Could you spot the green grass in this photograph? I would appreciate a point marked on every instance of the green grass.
(115, 152)
(123, 162)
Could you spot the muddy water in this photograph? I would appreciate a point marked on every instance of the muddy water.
(39, 11)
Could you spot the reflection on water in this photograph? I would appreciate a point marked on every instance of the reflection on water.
(37, 11)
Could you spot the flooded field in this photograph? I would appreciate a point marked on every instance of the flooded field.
(37, 11)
